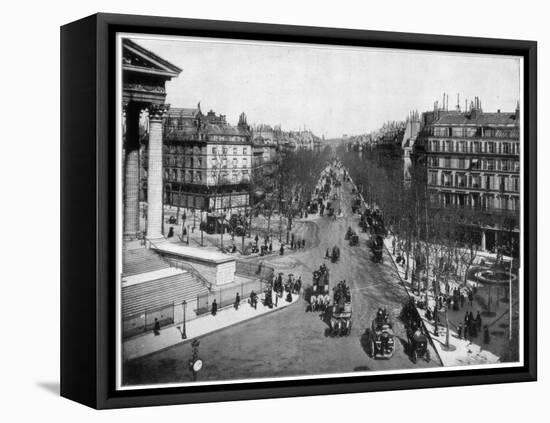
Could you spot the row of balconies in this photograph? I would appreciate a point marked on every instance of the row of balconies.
(475, 186)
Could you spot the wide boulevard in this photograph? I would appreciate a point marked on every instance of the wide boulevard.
(291, 342)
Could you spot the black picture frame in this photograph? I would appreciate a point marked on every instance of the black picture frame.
(88, 210)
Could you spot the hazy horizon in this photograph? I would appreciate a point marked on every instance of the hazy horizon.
(330, 90)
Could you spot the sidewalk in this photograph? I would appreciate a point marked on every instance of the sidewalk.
(461, 351)
(149, 343)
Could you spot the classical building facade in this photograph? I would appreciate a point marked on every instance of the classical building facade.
(473, 163)
(207, 163)
(144, 76)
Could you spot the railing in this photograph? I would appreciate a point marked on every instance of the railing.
(144, 322)
(255, 270)
(183, 266)
(483, 209)
(226, 296)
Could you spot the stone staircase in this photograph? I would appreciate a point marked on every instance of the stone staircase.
(149, 282)
(141, 260)
(157, 293)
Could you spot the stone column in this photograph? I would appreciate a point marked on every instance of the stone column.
(154, 174)
(131, 173)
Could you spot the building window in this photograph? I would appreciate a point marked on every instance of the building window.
(488, 181)
(214, 150)
(476, 147)
(245, 151)
(461, 164)
(502, 184)
(245, 162)
(490, 164)
(224, 151)
(506, 148)
(515, 184)
(476, 181)
(234, 162)
(234, 151)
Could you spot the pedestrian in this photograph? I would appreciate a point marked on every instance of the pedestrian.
(253, 300)
(327, 254)
(214, 309)
(462, 299)
(170, 232)
(478, 321)
(486, 337)
(459, 330)
(156, 328)
(282, 250)
(237, 301)
(303, 243)
(292, 243)
(270, 247)
(470, 298)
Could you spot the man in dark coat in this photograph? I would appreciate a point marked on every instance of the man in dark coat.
(237, 301)
(478, 321)
(214, 309)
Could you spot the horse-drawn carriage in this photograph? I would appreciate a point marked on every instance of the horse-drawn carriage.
(339, 315)
(417, 341)
(377, 248)
(340, 320)
(354, 240)
(317, 296)
(381, 337)
(418, 345)
(335, 256)
(356, 205)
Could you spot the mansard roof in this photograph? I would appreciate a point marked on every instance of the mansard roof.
(477, 119)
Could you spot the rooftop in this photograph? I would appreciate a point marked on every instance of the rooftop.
(478, 119)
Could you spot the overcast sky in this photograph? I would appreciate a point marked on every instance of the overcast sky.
(330, 90)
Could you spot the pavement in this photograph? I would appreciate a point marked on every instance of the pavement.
(461, 351)
(167, 337)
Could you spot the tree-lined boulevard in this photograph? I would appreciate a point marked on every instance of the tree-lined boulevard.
(291, 341)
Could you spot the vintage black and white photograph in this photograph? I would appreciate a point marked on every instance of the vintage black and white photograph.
(292, 210)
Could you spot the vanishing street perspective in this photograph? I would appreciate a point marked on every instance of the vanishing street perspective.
(289, 211)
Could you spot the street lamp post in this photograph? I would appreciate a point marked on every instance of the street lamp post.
(183, 330)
